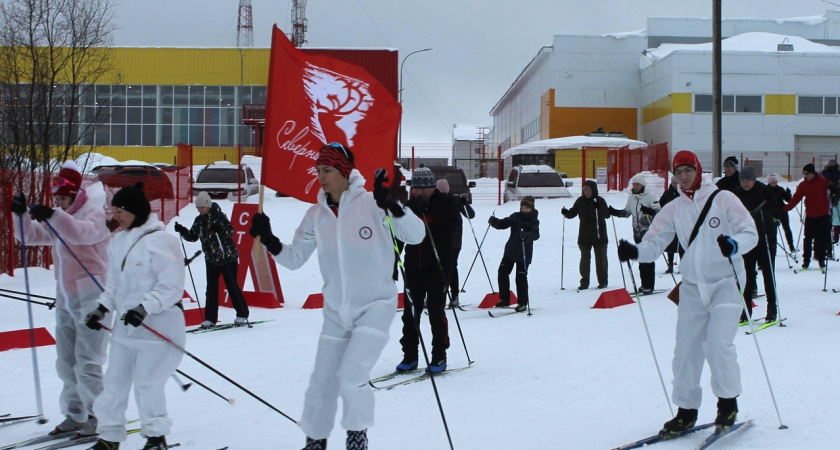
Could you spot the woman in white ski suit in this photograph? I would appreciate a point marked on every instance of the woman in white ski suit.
(146, 268)
(709, 305)
(80, 351)
(356, 257)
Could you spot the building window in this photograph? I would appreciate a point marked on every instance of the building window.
(817, 105)
(531, 130)
(729, 103)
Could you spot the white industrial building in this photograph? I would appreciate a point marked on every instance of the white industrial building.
(781, 83)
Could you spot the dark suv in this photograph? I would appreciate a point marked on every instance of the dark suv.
(458, 184)
(156, 183)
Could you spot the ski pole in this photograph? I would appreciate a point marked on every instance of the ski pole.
(49, 305)
(184, 248)
(409, 310)
(782, 426)
(647, 333)
(475, 258)
(669, 266)
(562, 252)
(181, 384)
(229, 400)
(480, 255)
(217, 372)
(231, 277)
(31, 295)
(623, 280)
(36, 376)
(801, 226)
(772, 263)
(446, 290)
(787, 259)
(525, 266)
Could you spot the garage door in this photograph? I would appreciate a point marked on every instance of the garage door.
(820, 148)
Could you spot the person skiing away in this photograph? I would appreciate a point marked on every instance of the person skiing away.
(592, 235)
(832, 173)
(349, 228)
(221, 257)
(814, 189)
(782, 196)
(709, 301)
(731, 179)
(144, 289)
(642, 205)
(428, 268)
(674, 247)
(759, 201)
(524, 230)
(79, 219)
(466, 211)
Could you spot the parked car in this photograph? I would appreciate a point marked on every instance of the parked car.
(458, 184)
(156, 184)
(538, 181)
(222, 180)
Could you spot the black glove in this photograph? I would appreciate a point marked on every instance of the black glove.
(787, 190)
(648, 211)
(384, 196)
(135, 316)
(728, 246)
(617, 212)
(627, 251)
(40, 212)
(93, 319)
(566, 213)
(526, 236)
(18, 204)
(493, 221)
(180, 229)
(463, 200)
(214, 227)
(261, 227)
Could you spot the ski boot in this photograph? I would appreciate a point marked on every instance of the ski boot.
(521, 307)
(727, 411)
(503, 304)
(315, 444)
(684, 420)
(155, 443)
(408, 363)
(102, 444)
(357, 440)
(65, 426)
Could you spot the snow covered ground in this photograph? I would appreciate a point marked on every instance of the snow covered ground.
(568, 377)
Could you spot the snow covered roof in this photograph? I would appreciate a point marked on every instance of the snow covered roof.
(742, 43)
(570, 142)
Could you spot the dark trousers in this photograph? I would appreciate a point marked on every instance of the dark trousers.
(454, 289)
(505, 268)
(600, 263)
(785, 221)
(767, 265)
(817, 229)
(430, 286)
(228, 271)
(647, 271)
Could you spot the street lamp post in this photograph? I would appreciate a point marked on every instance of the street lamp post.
(399, 144)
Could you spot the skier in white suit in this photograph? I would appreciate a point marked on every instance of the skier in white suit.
(709, 301)
(145, 286)
(349, 228)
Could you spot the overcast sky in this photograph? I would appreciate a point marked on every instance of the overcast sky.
(479, 46)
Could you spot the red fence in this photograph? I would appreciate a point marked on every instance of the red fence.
(624, 163)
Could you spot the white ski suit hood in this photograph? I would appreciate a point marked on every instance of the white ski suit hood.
(83, 228)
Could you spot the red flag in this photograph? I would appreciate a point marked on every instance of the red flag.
(313, 100)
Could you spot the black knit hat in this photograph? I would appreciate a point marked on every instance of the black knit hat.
(809, 168)
(732, 161)
(527, 201)
(132, 199)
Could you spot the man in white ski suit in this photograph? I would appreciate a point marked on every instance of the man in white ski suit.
(80, 351)
(709, 301)
(145, 274)
(356, 257)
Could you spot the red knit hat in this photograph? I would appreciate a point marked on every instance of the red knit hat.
(688, 158)
(68, 183)
(337, 156)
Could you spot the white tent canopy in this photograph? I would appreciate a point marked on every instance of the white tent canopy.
(570, 142)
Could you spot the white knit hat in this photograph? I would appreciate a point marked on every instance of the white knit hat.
(639, 178)
(203, 200)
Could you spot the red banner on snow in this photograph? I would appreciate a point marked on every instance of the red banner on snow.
(313, 100)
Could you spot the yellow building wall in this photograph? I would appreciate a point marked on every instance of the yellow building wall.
(189, 66)
(201, 155)
(570, 161)
(546, 103)
(779, 104)
(676, 102)
(567, 121)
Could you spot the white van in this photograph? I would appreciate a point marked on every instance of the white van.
(538, 181)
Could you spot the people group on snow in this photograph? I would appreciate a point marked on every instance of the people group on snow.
(723, 233)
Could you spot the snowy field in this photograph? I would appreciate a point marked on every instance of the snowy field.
(568, 377)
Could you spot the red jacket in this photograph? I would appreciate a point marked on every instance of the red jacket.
(816, 197)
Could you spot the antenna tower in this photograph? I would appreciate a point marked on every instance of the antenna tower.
(298, 22)
(244, 25)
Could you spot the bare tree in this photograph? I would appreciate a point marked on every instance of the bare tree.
(52, 53)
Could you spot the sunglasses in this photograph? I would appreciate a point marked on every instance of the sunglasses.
(61, 182)
(340, 147)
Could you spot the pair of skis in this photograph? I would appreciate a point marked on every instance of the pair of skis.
(414, 376)
(226, 326)
(719, 433)
(767, 325)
